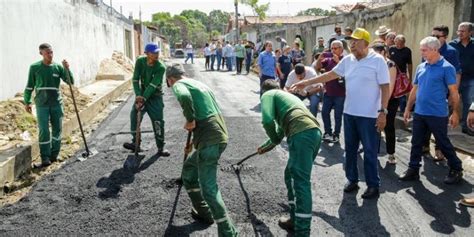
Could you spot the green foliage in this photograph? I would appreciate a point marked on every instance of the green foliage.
(258, 9)
(316, 12)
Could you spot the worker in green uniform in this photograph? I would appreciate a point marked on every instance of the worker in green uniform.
(147, 80)
(44, 78)
(283, 114)
(204, 119)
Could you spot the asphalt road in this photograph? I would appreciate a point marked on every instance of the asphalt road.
(97, 197)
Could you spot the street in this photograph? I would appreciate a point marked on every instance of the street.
(98, 197)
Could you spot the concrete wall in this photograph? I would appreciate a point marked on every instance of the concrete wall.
(80, 32)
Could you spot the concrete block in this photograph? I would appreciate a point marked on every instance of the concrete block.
(14, 163)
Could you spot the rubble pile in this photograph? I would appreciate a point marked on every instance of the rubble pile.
(117, 65)
(81, 100)
(14, 121)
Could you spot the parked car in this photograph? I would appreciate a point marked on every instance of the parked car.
(178, 53)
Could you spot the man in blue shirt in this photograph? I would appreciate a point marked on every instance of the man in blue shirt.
(267, 64)
(464, 44)
(433, 79)
(451, 55)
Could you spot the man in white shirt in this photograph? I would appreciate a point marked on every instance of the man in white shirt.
(311, 92)
(213, 49)
(365, 108)
(190, 53)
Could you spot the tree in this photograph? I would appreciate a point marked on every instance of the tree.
(198, 16)
(258, 9)
(218, 20)
(316, 12)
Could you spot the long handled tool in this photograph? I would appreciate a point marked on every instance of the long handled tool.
(133, 161)
(237, 166)
(88, 153)
(179, 181)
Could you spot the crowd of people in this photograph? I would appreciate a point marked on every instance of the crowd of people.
(366, 83)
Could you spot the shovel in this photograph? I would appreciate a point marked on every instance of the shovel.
(133, 161)
(87, 153)
(237, 166)
(179, 180)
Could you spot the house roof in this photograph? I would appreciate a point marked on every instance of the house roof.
(281, 19)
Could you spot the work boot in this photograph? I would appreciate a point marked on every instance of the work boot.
(454, 176)
(199, 218)
(163, 152)
(286, 223)
(130, 146)
(410, 175)
(43, 164)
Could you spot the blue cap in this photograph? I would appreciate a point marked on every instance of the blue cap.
(152, 48)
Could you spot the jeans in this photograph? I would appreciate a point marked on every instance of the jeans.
(206, 64)
(190, 56)
(228, 60)
(403, 103)
(467, 97)
(439, 127)
(329, 103)
(390, 126)
(314, 100)
(213, 59)
(248, 62)
(361, 129)
(219, 59)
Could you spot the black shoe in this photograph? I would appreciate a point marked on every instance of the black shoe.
(468, 132)
(454, 176)
(410, 175)
(41, 165)
(370, 192)
(54, 159)
(197, 217)
(335, 138)
(163, 152)
(286, 223)
(350, 187)
(130, 146)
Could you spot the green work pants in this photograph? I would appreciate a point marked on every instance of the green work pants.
(49, 144)
(154, 107)
(303, 147)
(199, 179)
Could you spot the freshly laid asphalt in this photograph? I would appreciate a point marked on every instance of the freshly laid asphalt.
(98, 197)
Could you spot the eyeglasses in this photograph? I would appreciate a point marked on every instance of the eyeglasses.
(438, 36)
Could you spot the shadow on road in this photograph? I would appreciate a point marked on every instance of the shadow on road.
(113, 184)
(256, 108)
(332, 153)
(356, 220)
(259, 227)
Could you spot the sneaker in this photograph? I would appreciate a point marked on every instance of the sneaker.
(335, 138)
(454, 176)
(439, 156)
(391, 159)
(410, 175)
(327, 137)
(130, 146)
(163, 152)
(286, 223)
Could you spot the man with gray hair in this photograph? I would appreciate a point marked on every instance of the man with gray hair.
(205, 120)
(434, 78)
(365, 108)
(465, 47)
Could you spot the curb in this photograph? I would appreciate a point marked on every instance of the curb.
(17, 161)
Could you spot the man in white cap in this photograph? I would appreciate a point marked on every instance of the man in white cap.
(382, 34)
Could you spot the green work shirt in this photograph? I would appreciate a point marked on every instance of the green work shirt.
(239, 50)
(284, 114)
(147, 80)
(198, 103)
(44, 80)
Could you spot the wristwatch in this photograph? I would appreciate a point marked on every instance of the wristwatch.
(385, 111)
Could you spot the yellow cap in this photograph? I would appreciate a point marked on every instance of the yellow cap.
(360, 33)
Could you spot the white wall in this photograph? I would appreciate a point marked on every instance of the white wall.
(80, 32)
(325, 31)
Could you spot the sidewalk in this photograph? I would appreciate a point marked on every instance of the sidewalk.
(17, 161)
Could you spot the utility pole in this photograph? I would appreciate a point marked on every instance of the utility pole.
(236, 2)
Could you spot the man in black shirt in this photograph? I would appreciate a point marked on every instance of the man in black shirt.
(401, 55)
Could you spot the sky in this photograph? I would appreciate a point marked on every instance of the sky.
(277, 7)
